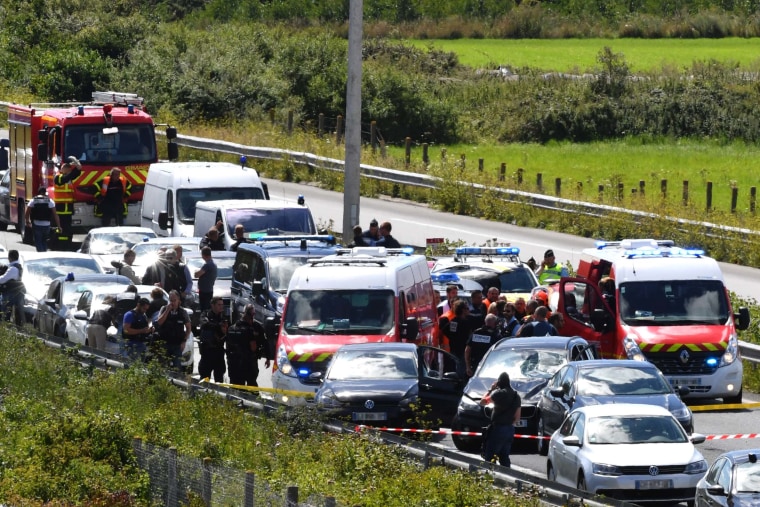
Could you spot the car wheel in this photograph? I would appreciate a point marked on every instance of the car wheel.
(462, 443)
(730, 400)
(551, 475)
(542, 444)
(581, 482)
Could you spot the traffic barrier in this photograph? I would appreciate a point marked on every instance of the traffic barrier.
(272, 390)
(727, 406)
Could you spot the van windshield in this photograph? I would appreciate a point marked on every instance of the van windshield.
(132, 144)
(284, 220)
(673, 302)
(187, 197)
(339, 312)
(281, 271)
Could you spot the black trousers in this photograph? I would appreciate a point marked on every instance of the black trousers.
(212, 361)
(243, 369)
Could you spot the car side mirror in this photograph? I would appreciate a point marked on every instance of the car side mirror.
(697, 438)
(572, 441)
(557, 392)
(272, 325)
(410, 329)
(163, 220)
(742, 318)
(716, 490)
(600, 319)
(683, 391)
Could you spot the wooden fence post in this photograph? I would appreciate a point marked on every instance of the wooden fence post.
(709, 196)
(290, 122)
(206, 481)
(271, 116)
(321, 125)
(642, 185)
(408, 150)
(600, 190)
(620, 191)
(685, 192)
(480, 165)
(250, 480)
(171, 478)
(752, 199)
(664, 188)
(503, 171)
(373, 135)
(734, 198)
(519, 175)
(539, 181)
(339, 130)
(557, 186)
(425, 158)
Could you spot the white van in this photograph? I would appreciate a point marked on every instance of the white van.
(259, 217)
(173, 188)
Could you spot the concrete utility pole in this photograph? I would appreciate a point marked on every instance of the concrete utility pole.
(353, 121)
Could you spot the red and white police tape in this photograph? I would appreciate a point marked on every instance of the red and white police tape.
(444, 431)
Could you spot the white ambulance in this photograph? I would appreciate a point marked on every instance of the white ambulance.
(359, 295)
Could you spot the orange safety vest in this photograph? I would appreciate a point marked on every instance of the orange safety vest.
(103, 190)
(63, 195)
(443, 340)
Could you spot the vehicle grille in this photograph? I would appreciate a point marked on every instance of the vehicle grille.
(644, 470)
(670, 363)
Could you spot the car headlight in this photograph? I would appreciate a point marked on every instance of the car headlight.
(602, 469)
(732, 351)
(632, 350)
(681, 412)
(283, 363)
(327, 399)
(467, 404)
(410, 399)
(696, 467)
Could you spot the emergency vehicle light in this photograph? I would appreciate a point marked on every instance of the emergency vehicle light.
(444, 277)
(711, 362)
(303, 372)
(80, 110)
(487, 250)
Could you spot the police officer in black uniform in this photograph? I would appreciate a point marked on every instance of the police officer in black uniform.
(13, 290)
(214, 328)
(174, 327)
(38, 215)
(246, 343)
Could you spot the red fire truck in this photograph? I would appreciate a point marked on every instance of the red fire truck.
(114, 130)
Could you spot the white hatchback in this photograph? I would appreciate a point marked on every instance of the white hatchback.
(625, 451)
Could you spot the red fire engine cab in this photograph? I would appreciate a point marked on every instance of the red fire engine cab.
(114, 130)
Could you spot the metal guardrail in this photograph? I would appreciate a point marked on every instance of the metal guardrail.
(749, 351)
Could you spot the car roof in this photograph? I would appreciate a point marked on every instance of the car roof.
(534, 342)
(609, 363)
(174, 240)
(98, 277)
(215, 254)
(28, 255)
(122, 228)
(624, 409)
(411, 347)
(740, 455)
(283, 247)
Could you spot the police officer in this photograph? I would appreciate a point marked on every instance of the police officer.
(13, 290)
(38, 216)
(213, 332)
(64, 200)
(173, 324)
(246, 343)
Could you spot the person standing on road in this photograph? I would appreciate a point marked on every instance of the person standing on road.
(479, 343)
(246, 343)
(98, 324)
(213, 333)
(504, 415)
(549, 269)
(124, 267)
(174, 329)
(111, 197)
(206, 279)
(13, 290)
(137, 330)
(38, 215)
(64, 200)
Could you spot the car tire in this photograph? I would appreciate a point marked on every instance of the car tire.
(551, 475)
(731, 400)
(581, 482)
(464, 444)
(542, 445)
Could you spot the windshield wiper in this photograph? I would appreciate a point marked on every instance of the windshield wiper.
(316, 329)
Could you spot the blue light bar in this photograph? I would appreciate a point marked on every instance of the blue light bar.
(407, 250)
(444, 277)
(712, 361)
(487, 250)
(507, 250)
(304, 372)
(468, 250)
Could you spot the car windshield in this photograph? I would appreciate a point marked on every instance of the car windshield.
(373, 365)
(281, 271)
(620, 380)
(339, 312)
(187, 197)
(679, 302)
(748, 477)
(133, 143)
(38, 273)
(522, 362)
(106, 243)
(613, 429)
(285, 220)
(72, 291)
(223, 266)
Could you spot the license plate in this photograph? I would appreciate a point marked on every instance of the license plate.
(521, 423)
(370, 416)
(654, 484)
(685, 381)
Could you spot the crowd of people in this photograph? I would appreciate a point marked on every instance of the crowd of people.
(376, 235)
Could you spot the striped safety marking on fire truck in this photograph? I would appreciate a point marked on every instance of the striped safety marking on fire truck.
(90, 177)
(675, 347)
(136, 175)
(309, 357)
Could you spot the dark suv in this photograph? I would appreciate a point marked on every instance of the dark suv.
(262, 272)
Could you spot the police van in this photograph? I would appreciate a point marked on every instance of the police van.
(262, 272)
(172, 190)
(480, 268)
(669, 306)
(358, 295)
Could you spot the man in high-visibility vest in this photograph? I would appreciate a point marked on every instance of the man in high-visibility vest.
(111, 197)
(64, 200)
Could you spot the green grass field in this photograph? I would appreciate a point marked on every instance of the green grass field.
(580, 55)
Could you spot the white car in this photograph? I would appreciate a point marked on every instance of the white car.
(91, 301)
(626, 451)
(108, 244)
(146, 253)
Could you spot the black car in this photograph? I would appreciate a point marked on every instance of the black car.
(606, 381)
(530, 363)
(734, 479)
(391, 384)
(262, 271)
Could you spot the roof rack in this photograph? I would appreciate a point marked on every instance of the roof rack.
(117, 98)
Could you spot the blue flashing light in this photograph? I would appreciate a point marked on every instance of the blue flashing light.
(712, 362)
(301, 199)
(304, 372)
(131, 109)
(70, 277)
(145, 238)
(444, 277)
(243, 160)
(80, 110)
(507, 250)
(407, 250)
(600, 244)
(468, 250)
